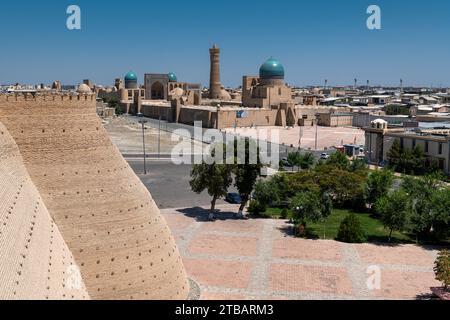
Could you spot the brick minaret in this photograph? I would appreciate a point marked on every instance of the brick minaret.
(214, 84)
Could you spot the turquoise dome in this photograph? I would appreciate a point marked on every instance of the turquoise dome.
(131, 76)
(172, 77)
(271, 69)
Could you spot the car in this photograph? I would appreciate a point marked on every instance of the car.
(233, 198)
(285, 163)
(324, 156)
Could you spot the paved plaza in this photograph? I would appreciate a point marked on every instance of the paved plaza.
(259, 259)
(327, 137)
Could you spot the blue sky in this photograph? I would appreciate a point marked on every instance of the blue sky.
(315, 40)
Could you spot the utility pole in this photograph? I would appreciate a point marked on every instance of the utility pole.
(159, 136)
(317, 133)
(300, 136)
(143, 122)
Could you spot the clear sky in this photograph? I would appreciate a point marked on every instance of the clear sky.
(315, 40)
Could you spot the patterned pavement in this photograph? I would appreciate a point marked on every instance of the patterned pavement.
(258, 259)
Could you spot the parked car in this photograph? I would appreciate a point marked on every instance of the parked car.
(324, 156)
(233, 198)
(285, 163)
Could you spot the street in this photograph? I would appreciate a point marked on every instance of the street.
(169, 184)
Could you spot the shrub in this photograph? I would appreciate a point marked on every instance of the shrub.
(284, 213)
(442, 268)
(256, 208)
(350, 230)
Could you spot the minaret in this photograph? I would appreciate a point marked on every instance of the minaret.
(214, 85)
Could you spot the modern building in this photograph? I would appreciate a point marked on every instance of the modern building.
(434, 142)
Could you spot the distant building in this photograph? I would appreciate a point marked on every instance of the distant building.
(434, 142)
(268, 90)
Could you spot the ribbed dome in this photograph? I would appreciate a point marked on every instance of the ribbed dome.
(84, 88)
(271, 69)
(177, 92)
(172, 77)
(131, 76)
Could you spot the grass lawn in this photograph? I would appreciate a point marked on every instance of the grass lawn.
(373, 228)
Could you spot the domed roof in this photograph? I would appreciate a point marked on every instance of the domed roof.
(177, 92)
(272, 68)
(84, 88)
(172, 77)
(131, 76)
(225, 95)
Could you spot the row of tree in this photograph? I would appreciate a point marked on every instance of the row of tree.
(410, 161)
(420, 206)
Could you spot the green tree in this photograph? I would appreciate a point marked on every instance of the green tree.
(306, 161)
(215, 178)
(442, 268)
(378, 185)
(294, 159)
(267, 192)
(350, 230)
(358, 165)
(339, 159)
(246, 172)
(394, 155)
(429, 202)
(306, 206)
(393, 210)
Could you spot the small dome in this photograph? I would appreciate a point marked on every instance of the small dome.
(172, 77)
(225, 95)
(177, 92)
(84, 88)
(131, 76)
(271, 69)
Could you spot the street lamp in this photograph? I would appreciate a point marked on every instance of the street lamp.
(143, 122)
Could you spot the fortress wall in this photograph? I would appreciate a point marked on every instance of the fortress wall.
(35, 262)
(106, 215)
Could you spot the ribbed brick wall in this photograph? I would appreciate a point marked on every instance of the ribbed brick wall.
(35, 262)
(106, 215)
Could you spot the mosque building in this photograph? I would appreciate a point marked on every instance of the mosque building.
(269, 89)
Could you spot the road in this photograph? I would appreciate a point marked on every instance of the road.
(169, 184)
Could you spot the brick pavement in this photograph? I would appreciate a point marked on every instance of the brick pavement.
(258, 259)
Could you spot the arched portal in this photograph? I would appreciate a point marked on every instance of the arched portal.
(157, 91)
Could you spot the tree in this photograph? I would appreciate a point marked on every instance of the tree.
(358, 165)
(267, 192)
(306, 206)
(343, 186)
(339, 159)
(394, 155)
(247, 173)
(393, 209)
(429, 201)
(442, 268)
(350, 230)
(378, 185)
(407, 161)
(306, 161)
(311, 206)
(294, 159)
(215, 178)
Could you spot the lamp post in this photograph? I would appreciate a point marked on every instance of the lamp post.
(317, 132)
(159, 135)
(143, 122)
